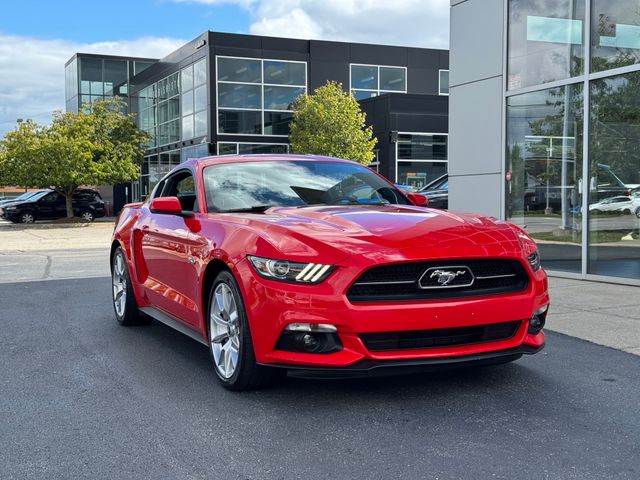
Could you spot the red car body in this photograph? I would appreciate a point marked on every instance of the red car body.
(171, 260)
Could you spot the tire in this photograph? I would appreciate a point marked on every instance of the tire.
(122, 296)
(88, 216)
(26, 217)
(230, 338)
(638, 212)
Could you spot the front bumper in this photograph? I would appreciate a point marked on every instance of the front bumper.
(272, 305)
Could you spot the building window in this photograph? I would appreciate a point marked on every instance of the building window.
(420, 158)
(368, 81)
(443, 82)
(167, 93)
(245, 148)
(544, 171)
(545, 41)
(615, 34)
(101, 79)
(255, 96)
(193, 100)
(194, 151)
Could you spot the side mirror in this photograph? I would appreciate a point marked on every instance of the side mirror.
(167, 205)
(418, 199)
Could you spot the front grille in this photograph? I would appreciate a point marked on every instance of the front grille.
(413, 281)
(442, 337)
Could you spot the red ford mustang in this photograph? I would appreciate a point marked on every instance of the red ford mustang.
(320, 267)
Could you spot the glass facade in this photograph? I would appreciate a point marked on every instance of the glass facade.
(255, 96)
(420, 158)
(242, 148)
(443, 82)
(578, 197)
(372, 80)
(194, 102)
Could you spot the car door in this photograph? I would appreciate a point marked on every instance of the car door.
(167, 242)
(51, 206)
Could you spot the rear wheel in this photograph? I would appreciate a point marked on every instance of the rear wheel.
(87, 216)
(124, 301)
(230, 342)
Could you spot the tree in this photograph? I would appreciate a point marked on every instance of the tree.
(329, 122)
(97, 148)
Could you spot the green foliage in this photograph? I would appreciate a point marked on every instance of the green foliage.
(97, 148)
(329, 122)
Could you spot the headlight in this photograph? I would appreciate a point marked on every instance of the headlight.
(287, 271)
(10, 209)
(534, 261)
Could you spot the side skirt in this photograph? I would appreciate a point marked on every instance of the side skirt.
(173, 323)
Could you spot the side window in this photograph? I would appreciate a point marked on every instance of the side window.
(182, 185)
(52, 198)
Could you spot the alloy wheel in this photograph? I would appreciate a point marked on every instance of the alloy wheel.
(119, 282)
(87, 216)
(27, 218)
(224, 328)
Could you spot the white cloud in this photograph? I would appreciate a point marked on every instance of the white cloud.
(32, 71)
(421, 23)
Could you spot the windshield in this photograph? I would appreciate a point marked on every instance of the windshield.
(251, 185)
(38, 195)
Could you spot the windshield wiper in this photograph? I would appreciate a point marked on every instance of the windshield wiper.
(253, 209)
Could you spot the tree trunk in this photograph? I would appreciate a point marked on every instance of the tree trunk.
(68, 196)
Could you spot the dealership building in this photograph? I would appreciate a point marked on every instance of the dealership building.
(232, 94)
(545, 127)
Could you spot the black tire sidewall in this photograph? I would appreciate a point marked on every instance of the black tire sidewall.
(130, 315)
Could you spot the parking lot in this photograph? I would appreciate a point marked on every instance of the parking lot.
(85, 398)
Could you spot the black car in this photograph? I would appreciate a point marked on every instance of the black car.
(19, 198)
(50, 205)
(437, 192)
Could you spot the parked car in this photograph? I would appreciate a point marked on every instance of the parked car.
(275, 265)
(621, 204)
(51, 205)
(437, 192)
(19, 198)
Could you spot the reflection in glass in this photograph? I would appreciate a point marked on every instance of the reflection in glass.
(443, 88)
(544, 172)
(614, 177)
(200, 98)
(284, 73)
(545, 41)
(418, 174)
(231, 95)
(363, 94)
(240, 121)
(615, 34)
(277, 123)
(239, 70)
(261, 148)
(393, 79)
(187, 103)
(187, 127)
(200, 123)
(422, 146)
(186, 78)
(200, 72)
(364, 77)
(281, 98)
(227, 148)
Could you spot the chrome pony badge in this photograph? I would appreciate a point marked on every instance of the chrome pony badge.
(446, 277)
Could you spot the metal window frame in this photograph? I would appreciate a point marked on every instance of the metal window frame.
(262, 84)
(423, 160)
(586, 78)
(378, 90)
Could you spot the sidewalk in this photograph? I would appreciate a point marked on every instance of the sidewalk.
(602, 313)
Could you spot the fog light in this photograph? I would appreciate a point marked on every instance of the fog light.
(538, 320)
(309, 338)
(309, 342)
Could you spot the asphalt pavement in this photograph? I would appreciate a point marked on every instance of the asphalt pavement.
(83, 397)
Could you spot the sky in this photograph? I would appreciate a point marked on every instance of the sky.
(37, 37)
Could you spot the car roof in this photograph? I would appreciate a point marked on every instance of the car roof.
(222, 159)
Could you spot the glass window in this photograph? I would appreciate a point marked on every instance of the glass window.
(277, 123)
(364, 77)
(615, 34)
(186, 78)
(247, 184)
(97, 88)
(544, 172)
(200, 124)
(85, 86)
(139, 67)
(174, 131)
(173, 108)
(115, 75)
(614, 177)
(443, 83)
(419, 174)
(284, 73)
(225, 148)
(393, 79)
(187, 103)
(163, 112)
(194, 151)
(240, 121)
(232, 95)
(187, 127)
(200, 72)
(363, 94)
(239, 70)
(422, 146)
(545, 41)
(261, 148)
(91, 69)
(281, 98)
(200, 98)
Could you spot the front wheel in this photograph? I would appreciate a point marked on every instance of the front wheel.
(230, 342)
(27, 217)
(638, 212)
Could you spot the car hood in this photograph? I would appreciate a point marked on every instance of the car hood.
(376, 229)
